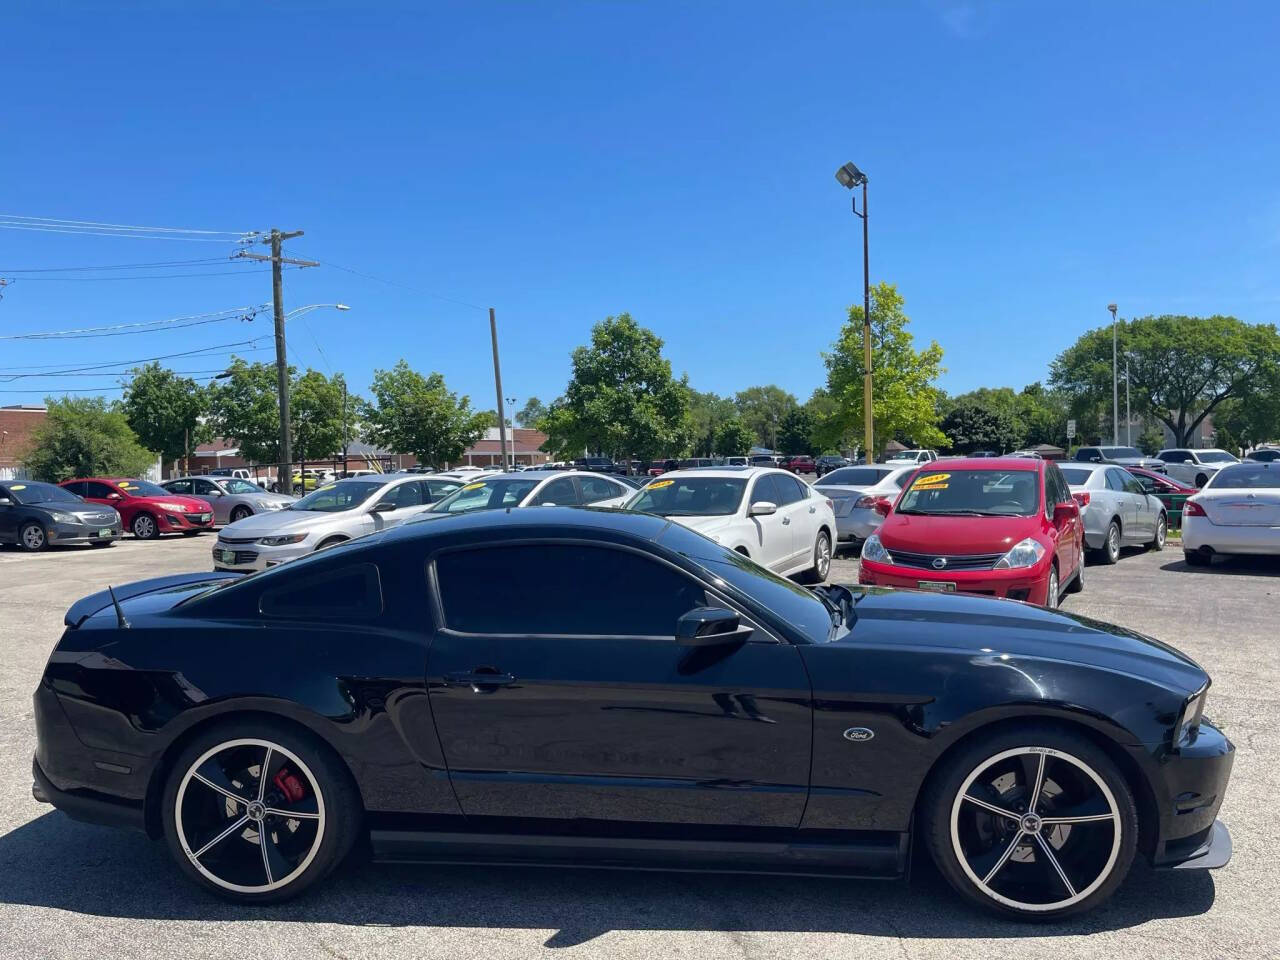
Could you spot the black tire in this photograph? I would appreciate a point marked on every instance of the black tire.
(102, 544)
(822, 555)
(239, 513)
(331, 542)
(1161, 534)
(1110, 552)
(1053, 589)
(144, 527)
(1077, 582)
(32, 537)
(336, 812)
(192, 533)
(1195, 558)
(952, 827)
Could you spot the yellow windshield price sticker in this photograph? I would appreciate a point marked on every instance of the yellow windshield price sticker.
(659, 484)
(474, 486)
(933, 480)
(125, 484)
(18, 486)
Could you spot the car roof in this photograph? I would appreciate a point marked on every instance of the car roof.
(725, 471)
(1028, 464)
(524, 523)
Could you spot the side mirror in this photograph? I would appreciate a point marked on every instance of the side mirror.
(5, 502)
(762, 508)
(710, 627)
(386, 506)
(547, 503)
(1095, 459)
(1062, 512)
(114, 496)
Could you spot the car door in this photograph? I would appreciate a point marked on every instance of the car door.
(562, 698)
(600, 492)
(802, 510)
(1178, 465)
(1146, 509)
(772, 532)
(558, 492)
(1126, 504)
(213, 495)
(1068, 544)
(8, 516)
(408, 501)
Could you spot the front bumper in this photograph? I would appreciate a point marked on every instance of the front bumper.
(251, 556)
(167, 522)
(1199, 532)
(1190, 783)
(71, 533)
(1030, 584)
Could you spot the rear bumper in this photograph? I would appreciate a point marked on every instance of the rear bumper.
(1199, 532)
(85, 805)
(1029, 585)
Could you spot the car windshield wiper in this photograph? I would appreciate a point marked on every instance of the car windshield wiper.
(968, 513)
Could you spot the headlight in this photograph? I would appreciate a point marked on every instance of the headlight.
(1026, 553)
(1189, 718)
(60, 517)
(172, 507)
(265, 505)
(873, 550)
(281, 540)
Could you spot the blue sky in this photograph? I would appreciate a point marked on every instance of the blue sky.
(565, 161)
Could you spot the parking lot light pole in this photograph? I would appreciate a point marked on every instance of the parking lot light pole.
(849, 177)
(1115, 382)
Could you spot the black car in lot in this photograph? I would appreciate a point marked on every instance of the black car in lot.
(599, 465)
(575, 687)
(37, 515)
(827, 463)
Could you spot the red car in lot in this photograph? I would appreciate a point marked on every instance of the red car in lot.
(801, 464)
(1002, 527)
(145, 508)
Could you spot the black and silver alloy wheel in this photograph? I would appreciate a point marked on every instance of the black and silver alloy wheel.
(144, 527)
(32, 537)
(1052, 591)
(249, 815)
(1111, 549)
(1035, 826)
(821, 557)
(240, 512)
(1162, 534)
(259, 813)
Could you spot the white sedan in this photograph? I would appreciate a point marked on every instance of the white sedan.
(534, 488)
(1238, 511)
(767, 515)
(1194, 467)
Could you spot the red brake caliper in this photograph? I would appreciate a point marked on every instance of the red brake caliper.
(289, 785)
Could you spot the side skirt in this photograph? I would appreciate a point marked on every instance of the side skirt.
(885, 856)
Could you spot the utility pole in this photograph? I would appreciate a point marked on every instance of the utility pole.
(1128, 412)
(1115, 382)
(276, 240)
(497, 382)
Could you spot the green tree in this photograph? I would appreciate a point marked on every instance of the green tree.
(414, 414)
(795, 435)
(1181, 368)
(165, 411)
(830, 433)
(1041, 415)
(315, 416)
(733, 438)
(1151, 441)
(905, 398)
(763, 409)
(1251, 418)
(973, 425)
(244, 408)
(83, 437)
(621, 400)
(708, 412)
(532, 411)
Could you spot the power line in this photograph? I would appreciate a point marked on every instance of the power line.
(397, 283)
(9, 378)
(154, 276)
(105, 233)
(117, 266)
(231, 313)
(203, 353)
(119, 226)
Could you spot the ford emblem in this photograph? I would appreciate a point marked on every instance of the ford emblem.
(859, 734)
(939, 562)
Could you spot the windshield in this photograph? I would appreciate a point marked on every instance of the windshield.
(487, 495)
(1122, 453)
(1215, 456)
(854, 477)
(28, 493)
(241, 486)
(1076, 476)
(1245, 476)
(994, 493)
(337, 497)
(143, 488)
(691, 496)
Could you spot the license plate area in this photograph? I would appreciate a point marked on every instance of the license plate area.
(227, 556)
(938, 586)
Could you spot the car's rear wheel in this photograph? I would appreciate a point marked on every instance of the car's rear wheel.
(1197, 558)
(1035, 822)
(257, 812)
(1052, 589)
(32, 537)
(239, 513)
(144, 527)
(1110, 551)
(1162, 534)
(821, 559)
(1077, 582)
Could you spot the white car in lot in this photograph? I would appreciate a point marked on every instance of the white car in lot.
(331, 514)
(1238, 511)
(861, 497)
(534, 488)
(766, 514)
(1115, 508)
(916, 457)
(1194, 467)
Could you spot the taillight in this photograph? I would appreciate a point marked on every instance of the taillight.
(1081, 498)
(1193, 509)
(881, 505)
(830, 504)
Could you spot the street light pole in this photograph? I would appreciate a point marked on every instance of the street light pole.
(497, 384)
(849, 177)
(1115, 382)
(1128, 411)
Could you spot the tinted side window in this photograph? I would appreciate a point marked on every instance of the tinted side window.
(348, 593)
(204, 486)
(1087, 453)
(595, 489)
(1175, 456)
(178, 486)
(1132, 485)
(1114, 480)
(405, 495)
(563, 590)
(99, 490)
(436, 489)
(790, 489)
(78, 488)
(559, 491)
(763, 489)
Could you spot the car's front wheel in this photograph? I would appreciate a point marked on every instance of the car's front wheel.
(821, 559)
(144, 527)
(1035, 822)
(32, 537)
(1161, 534)
(257, 812)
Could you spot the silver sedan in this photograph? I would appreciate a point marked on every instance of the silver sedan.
(232, 499)
(1116, 510)
(862, 496)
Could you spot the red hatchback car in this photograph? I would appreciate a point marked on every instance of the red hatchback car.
(145, 508)
(1003, 527)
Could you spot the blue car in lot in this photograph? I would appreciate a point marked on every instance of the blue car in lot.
(35, 515)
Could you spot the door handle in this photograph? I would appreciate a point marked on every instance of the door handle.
(813, 509)
(785, 521)
(480, 680)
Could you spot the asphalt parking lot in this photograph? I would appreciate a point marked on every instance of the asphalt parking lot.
(71, 890)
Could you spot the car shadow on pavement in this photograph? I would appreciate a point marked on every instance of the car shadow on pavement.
(1238, 565)
(55, 862)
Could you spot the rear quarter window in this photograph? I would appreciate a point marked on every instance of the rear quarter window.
(352, 592)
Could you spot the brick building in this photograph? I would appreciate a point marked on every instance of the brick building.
(17, 424)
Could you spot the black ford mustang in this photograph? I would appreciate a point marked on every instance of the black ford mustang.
(582, 687)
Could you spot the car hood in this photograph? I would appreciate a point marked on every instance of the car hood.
(89, 512)
(1006, 630)
(1149, 462)
(707, 526)
(194, 504)
(954, 535)
(285, 521)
